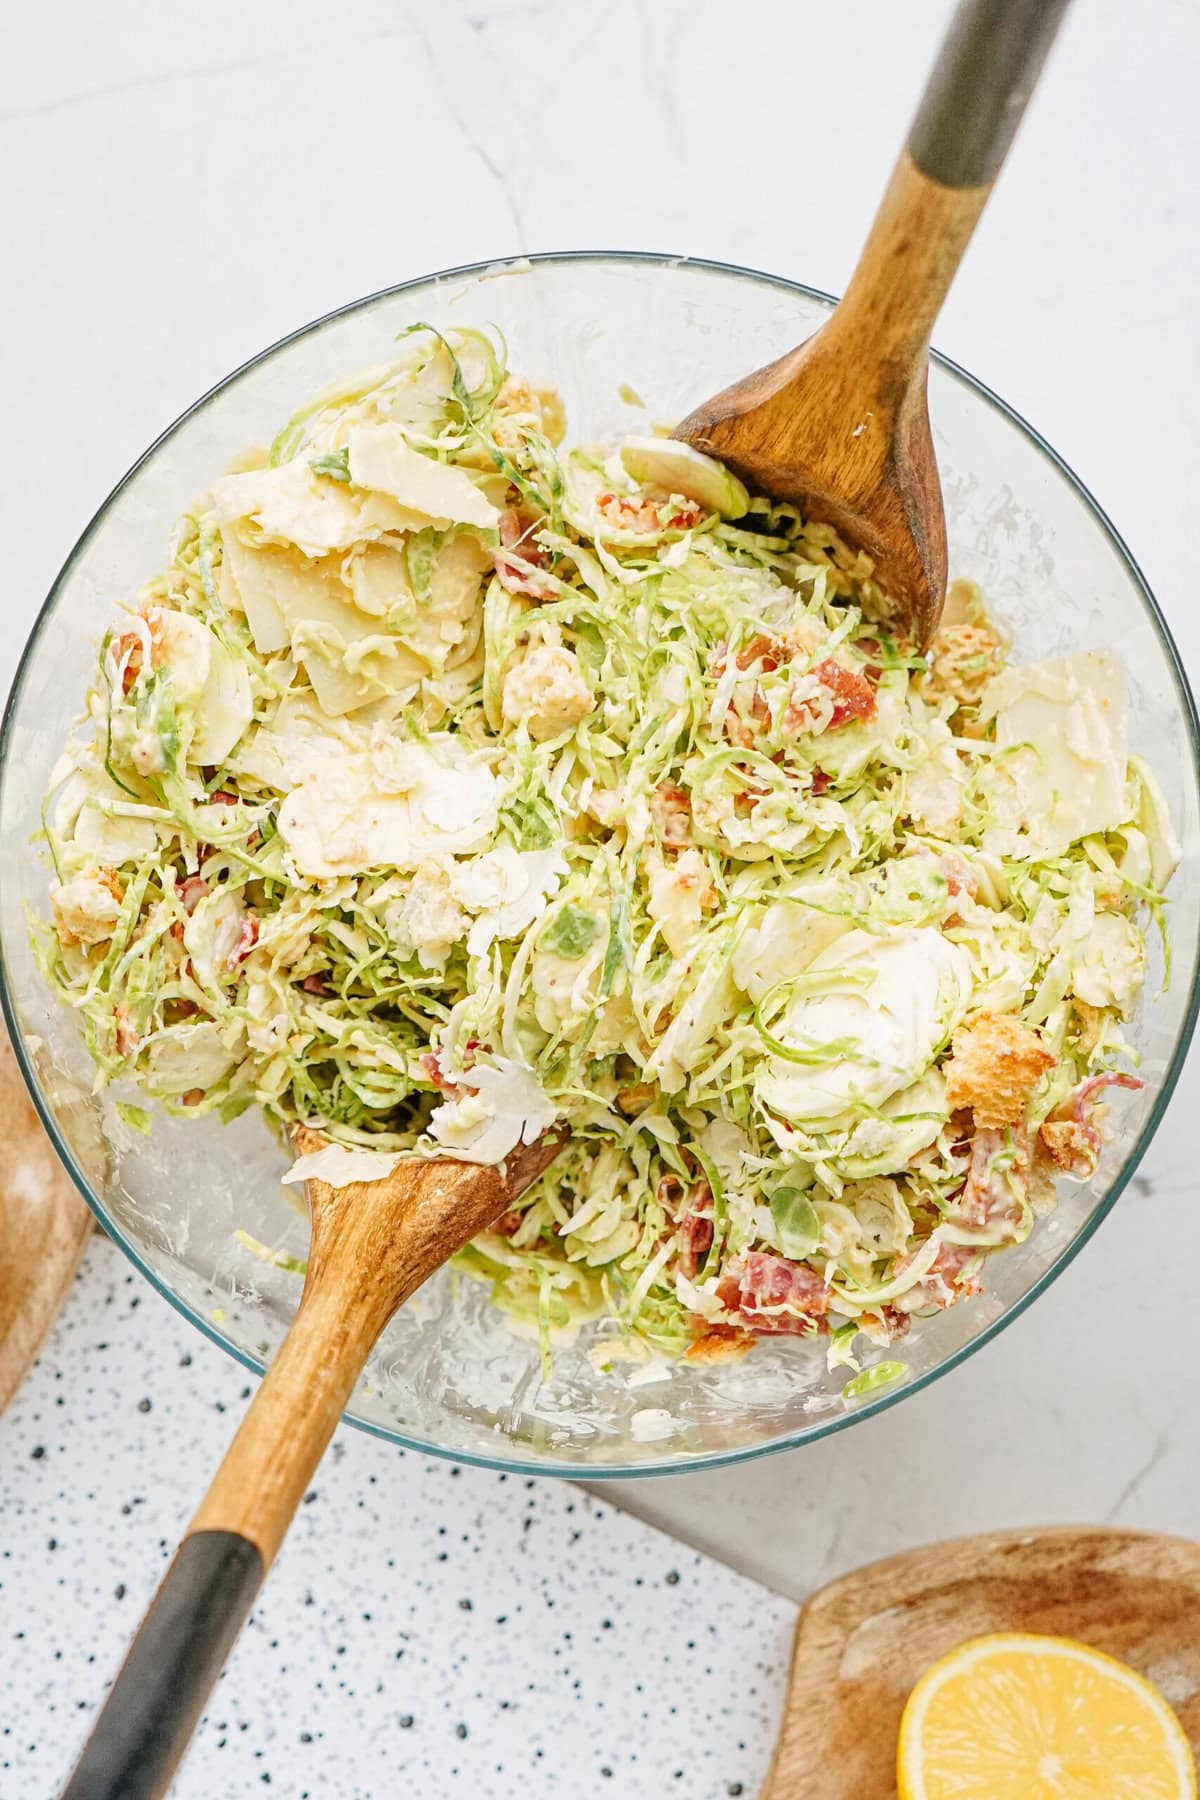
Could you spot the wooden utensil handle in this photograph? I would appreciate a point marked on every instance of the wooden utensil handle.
(372, 1246)
(986, 69)
(983, 77)
(206, 1594)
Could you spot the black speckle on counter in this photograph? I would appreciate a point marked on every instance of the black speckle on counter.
(402, 1589)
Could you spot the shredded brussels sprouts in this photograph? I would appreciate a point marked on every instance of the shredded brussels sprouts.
(448, 783)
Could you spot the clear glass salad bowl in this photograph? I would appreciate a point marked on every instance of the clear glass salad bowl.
(450, 1376)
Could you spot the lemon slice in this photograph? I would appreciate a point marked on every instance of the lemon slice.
(1023, 1717)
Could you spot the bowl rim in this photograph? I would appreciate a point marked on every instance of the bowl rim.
(853, 1413)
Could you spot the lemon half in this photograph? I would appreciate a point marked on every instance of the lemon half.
(1024, 1717)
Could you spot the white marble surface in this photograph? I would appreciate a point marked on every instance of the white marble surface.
(187, 183)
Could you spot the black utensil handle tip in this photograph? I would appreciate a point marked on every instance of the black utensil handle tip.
(159, 1694)
(987, 67)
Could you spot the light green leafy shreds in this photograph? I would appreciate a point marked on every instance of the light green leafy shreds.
(447, 783)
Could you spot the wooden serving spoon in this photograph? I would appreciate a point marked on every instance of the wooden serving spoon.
(840, 424)
(373, 1244)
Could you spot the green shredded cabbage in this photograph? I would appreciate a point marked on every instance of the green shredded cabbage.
(448, 783)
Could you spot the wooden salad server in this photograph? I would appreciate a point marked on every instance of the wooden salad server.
(840, 425)
(373, 1244)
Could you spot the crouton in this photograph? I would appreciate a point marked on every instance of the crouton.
(963, 659)
(995, 1064)
(86, 908)
(546, 690)
(1071, 1147)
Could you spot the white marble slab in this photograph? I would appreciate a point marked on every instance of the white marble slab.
(187, 184)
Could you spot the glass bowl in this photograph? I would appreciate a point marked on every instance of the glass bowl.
(449, 1376)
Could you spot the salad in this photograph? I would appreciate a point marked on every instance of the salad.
(449, 784)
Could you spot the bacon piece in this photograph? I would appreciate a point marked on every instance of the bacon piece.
(1068, 1137)
(768, 652)
(827, 697)
(671, 811)
(222, 797)
(639, 513)
(696, 1229)
(717, 1343)
(518, 573)
(191, 892)
(127, 1037)
(997, 1184)
(772, 1296)
(246, 939)
(127, 649)
(960, 877)
(943, 1283)
(955, 871)
(821, 783)
(430, 1061)
(317, 984)
(871, 650)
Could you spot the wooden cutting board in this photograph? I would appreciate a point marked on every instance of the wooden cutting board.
(862, 1642)
(44, 1225)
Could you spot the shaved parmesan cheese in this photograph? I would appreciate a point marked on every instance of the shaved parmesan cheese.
(272, 587)
(382, 460)
(507, 889)
(392, 805)
(293, 506)
(379, 583)
(339, 1166)
(1062, 723)
(506, 1106)
(86, 814)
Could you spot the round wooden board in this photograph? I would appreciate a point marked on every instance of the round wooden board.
(44, 1225)
(862, 1642)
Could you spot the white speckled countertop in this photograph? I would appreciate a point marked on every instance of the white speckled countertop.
(191, 183)
(428, 1628)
